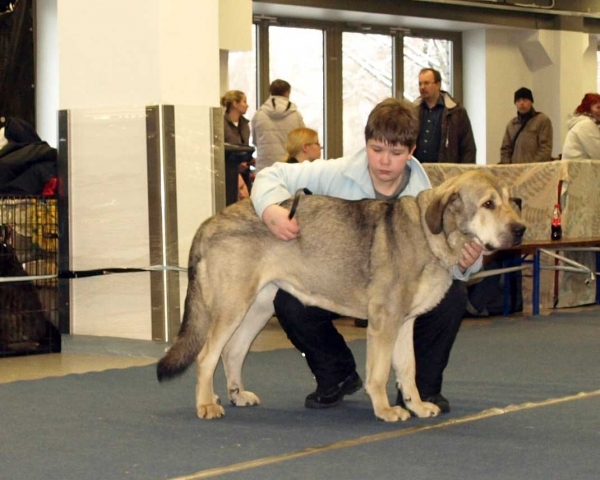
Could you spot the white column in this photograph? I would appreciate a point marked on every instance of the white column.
(46, 71)
(116, 60)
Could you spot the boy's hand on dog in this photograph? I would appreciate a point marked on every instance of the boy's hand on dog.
(469, 254)
(277, 220)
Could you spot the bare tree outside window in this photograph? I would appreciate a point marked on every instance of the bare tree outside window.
(367, 80)
(426, 53)
(296, 55)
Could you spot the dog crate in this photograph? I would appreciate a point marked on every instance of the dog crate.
(28, 275)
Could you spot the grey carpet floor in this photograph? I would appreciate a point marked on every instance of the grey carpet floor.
(121, 424)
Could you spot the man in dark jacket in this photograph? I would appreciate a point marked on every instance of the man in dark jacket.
(445, 134)
(528, 136)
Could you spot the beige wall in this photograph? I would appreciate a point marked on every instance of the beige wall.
(138, 52)
(235, 25)
(134, 53)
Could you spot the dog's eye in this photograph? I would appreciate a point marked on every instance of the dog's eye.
(489, 205)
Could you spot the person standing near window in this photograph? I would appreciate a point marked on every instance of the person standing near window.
(445, 134)
(528, 136)
(236, 126)
(272, 123)
(583, 138)
(237, 132)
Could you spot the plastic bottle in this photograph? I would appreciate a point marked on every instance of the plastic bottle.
(556, 224)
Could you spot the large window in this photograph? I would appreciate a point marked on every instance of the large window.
(367, 80)
(296, 55)
(338, 73)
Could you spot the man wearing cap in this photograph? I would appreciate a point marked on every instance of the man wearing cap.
(528, 136)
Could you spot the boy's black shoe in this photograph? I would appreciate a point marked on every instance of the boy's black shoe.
(333, 396)
(437, 399)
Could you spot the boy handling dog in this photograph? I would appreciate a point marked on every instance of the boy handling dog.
(384, 170)
(389, 261)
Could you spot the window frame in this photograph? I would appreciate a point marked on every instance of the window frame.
(332, 68)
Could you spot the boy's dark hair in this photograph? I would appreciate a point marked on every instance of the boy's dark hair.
(393, 121)
(279, 87)
(437, 76)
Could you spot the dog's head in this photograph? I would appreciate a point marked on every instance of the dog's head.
(478, 205)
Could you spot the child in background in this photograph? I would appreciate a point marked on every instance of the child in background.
(302, 144)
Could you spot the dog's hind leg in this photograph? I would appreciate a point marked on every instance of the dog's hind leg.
(405, 368)
(237, 348)
(380, 346)
(226, 316)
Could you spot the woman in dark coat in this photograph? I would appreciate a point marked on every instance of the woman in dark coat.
(237, 132)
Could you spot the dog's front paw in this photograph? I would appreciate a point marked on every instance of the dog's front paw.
(244, 399)
(425, 410)
(210, 411)
(393, 414)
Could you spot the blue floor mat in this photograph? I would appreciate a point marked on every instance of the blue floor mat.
(123, 424)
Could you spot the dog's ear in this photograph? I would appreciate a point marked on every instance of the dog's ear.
(434, 216)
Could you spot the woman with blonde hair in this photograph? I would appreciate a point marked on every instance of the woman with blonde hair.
(302, 144)
(237, 127)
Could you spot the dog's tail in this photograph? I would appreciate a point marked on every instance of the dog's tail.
(192, 333)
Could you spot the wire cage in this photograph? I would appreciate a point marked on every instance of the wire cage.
(28, 275)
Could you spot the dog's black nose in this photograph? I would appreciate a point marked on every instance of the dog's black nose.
(519, 230)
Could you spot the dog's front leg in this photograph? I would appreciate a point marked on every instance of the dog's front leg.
(405, 368)
(380, 346)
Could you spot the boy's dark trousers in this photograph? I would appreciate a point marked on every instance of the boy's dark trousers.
(311, 330)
